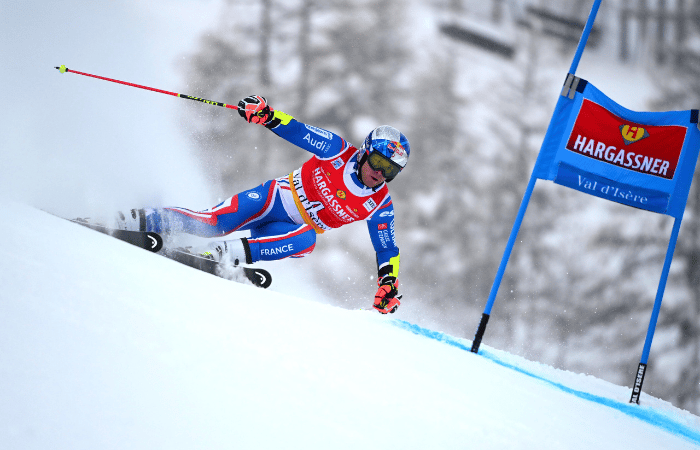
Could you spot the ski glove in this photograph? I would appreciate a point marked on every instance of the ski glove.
(386, 299)
(255, 109)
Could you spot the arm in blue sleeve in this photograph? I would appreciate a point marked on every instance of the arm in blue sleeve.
(381, 232)
(318, 141)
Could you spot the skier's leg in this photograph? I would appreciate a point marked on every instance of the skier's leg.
(279, 240)
(268, 242)
(274, 234)
(239, 212)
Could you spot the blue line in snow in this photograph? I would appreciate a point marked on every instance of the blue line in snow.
(645, 414)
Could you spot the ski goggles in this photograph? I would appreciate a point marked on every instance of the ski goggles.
(379, 162)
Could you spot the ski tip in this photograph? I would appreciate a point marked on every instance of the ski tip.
(61, 69)
(153, 242)
(259, 277)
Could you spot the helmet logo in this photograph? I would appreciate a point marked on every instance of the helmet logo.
(396, 148)
(341, 194)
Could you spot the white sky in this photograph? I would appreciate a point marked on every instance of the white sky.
(54, 127)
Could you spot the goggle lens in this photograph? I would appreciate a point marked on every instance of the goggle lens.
(389, 168)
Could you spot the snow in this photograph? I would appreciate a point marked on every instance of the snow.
(104, 345)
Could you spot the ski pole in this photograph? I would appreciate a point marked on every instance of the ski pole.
(64, 69)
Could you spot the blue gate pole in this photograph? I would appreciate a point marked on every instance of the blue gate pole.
(526, 198)
(641, 370)
(584, 36)
(504, 262)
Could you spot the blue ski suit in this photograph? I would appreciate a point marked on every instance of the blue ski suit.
(285, 214)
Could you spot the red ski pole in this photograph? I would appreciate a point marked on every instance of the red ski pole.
(64, 69)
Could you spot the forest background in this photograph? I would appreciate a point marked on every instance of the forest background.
(580, 285)
(472, 85)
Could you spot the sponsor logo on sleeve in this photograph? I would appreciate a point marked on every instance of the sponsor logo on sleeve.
(320, 131)
(316, 143)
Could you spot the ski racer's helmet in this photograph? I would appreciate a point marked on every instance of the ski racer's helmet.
(387, 150)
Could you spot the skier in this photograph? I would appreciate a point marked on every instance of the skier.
(338, 185)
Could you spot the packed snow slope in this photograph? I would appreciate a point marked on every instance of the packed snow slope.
(106, 346)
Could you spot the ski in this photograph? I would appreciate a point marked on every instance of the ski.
(145, 239)
(259, 277)
(154, 242)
